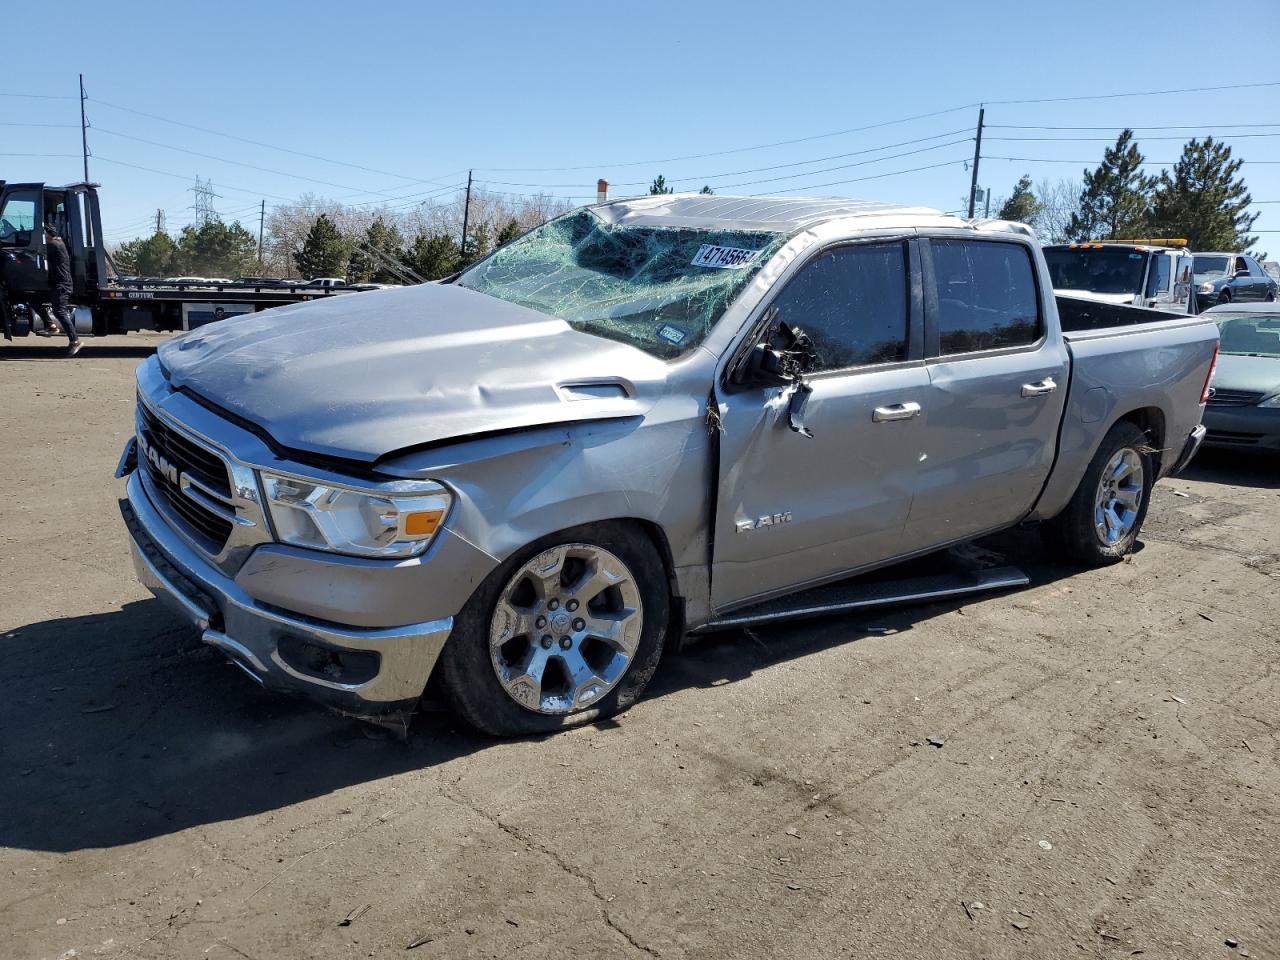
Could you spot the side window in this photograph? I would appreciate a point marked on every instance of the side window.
(853, 302)
(986, 295)
(1240, 265)
(18, 218)
(1158, 278)
(1254, 269)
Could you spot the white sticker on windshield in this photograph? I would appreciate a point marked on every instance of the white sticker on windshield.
(672, 334)
(723, 258)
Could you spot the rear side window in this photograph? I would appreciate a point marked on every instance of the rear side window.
(852, 301)
(986, 296)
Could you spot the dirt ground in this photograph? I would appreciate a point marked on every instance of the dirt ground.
(1107, 785)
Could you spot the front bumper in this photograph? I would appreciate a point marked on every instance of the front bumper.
(365, 672)
(1243, 428)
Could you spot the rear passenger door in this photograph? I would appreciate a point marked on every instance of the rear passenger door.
(997, 385)
(1259, 282)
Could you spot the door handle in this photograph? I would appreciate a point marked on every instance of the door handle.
(1047, 385)
(896, 411)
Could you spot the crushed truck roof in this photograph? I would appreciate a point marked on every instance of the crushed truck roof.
(776, 214)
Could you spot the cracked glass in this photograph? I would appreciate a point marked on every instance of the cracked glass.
(657, 288)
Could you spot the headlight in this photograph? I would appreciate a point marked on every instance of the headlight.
(1205, 288)
(364, 523)
(1272, 403)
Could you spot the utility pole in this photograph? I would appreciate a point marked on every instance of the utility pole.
(977, 156)
(466, 213)
(159, 221)
(84, 131)
(262, 218)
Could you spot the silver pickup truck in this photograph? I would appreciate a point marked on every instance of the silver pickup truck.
(642, 419)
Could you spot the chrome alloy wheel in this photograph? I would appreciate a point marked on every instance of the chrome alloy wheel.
(1119, 497)
(565, 628)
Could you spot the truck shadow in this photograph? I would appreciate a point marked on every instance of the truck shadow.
(55, 349)
(122, 726)
(1235, 469)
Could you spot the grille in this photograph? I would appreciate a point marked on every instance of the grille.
(1234, 398)
(209, 528)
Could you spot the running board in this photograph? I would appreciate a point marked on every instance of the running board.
(851, 595)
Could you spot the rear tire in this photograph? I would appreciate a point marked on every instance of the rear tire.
(1101, 523)
(567, 631)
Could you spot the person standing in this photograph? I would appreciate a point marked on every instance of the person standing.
(60, 286)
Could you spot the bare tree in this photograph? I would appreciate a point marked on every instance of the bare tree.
(1059, 200)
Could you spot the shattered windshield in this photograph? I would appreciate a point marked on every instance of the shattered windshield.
(1098, 270)
(657, 288)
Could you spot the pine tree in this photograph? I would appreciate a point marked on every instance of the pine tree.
(659, 185)
(1116, 199)
(1204, 201)
(324, 253)
(706, 190)
(214, 249)
(1022, 206)
(156, 256)
(433, 256)
(386, 239)
(510, 230)
(477, 245)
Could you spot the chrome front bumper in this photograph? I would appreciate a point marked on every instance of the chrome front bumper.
(251, 634)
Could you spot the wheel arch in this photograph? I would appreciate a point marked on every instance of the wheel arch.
(1152, 422)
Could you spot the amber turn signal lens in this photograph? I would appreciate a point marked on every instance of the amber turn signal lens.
(423, 523)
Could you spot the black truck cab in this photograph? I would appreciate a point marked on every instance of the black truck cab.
(24, 278)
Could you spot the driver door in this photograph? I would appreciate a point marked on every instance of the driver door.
(22, 243)
(794, 510)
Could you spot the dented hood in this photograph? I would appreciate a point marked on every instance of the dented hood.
(362, 375)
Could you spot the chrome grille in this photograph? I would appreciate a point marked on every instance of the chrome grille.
(1233, 398)
(197, 479)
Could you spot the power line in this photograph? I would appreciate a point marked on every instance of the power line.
(39, 96)
(846, 166)
(1231, 136)
(1140, 93)
(14, 123)
(269, 146)
(1185, 126)
(39, 155)
(1094, 160)
(186, 176)
(706, 177)
(238, 163)
(722, 153)
(875, 176)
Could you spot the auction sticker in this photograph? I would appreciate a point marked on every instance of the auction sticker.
(723, 258)
(672, 334)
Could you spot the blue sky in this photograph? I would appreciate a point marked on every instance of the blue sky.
(408, 96)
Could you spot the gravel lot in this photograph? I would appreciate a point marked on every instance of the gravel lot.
(1107, 785)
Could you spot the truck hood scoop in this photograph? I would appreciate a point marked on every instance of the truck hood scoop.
(362, 375)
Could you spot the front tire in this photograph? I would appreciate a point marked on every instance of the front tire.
(1100, 524)
(567, 631)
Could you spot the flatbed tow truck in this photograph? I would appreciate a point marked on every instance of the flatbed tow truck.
(103, 303)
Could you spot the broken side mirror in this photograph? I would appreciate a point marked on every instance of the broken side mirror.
(783, 357)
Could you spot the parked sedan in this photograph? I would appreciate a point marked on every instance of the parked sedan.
(1243, 411)
(1223, 278)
